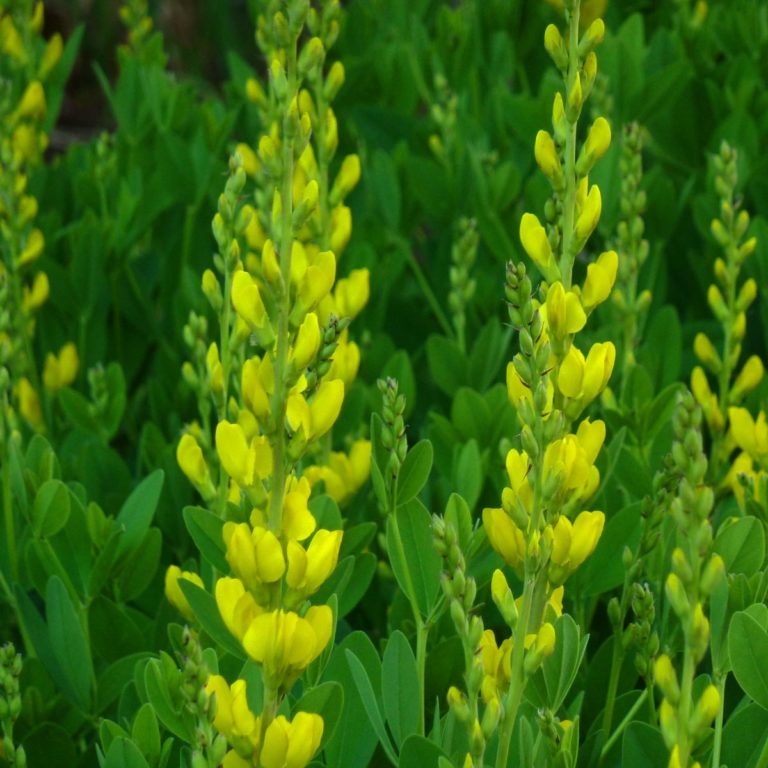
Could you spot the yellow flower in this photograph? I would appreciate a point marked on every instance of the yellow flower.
(236, 605)
(29, 404)
(32, 104)
(582, 380)
(245, 464)
(346, 360)
(60, 371)
(255, 555)
(189, 457)
(504, 536)
(37, 295)
(351, 293)
(315, 279)
(600, 279)
(307, 343)
(291, 744)
(666, 678)
(51, 55)
(309, 568)
(750, 435)
(286, 643)
(589, 214)
(173, 592)
(233, 717)
(706, 399)
(344, 474)
(215, 369)
(596, 145)
(574, 542)
(706, 352)
(10, 40)
(246, 299)
(341, 228)
(565, 315)
(519, 489)
(258, 385)
(547, 157)
(533, 236)
(314, 419)
(347, 178)
(749, 377)
(33, 248)
(517, 391)
(250, 160)
(298, 522)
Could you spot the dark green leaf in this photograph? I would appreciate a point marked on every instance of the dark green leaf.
(415, 471)
(748, 650)
(205, 529)
(400, 688)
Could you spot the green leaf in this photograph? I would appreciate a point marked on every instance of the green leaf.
(447, 365)
(419, 752)
(205, 529)
(326, 700)
(741, 544)
(360, 579)
(744, 736)
(207, 613)
(114, 678)
(368, 697)
(550, 685)
(137, 512)
(50, 510)
(471, 415)
(141, 566)
(382, 179)
(123, 753)
(486, 357)
(415, 562)
(159, 697)
(458, 515)
(468, 476)
(146, 733)
(643, 746)
(400, 687)
(69, 644)
(748, 651)
(415, 471)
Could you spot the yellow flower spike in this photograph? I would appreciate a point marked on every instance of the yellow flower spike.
(244, 463)
(590, 214)
(561, 542)
(706, 352)
(258, 385)
(547, 157)
(318, 279)
(749, 377)
(32, 105)
(346, 361)
(246, 299)
(598, 369)
(291, 744)
(215, 370)
(307, 343)
(352, 293)
(326, 406)
(33, 248)
(29, 404)
(236, 605)
(570, 377)
(504, 536)
(601, 276)
(534, 238)
(298, 522)
(749, 435)
(346, 180)
(173, 592)
(217, 687)
(250, 160)
(565, 315)
(37, 295)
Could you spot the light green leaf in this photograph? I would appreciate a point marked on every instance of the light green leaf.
(415, 471)
(748, 651)
(400, 687)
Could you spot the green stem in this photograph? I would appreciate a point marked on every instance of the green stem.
(613, 682)
(683, 714)
(429, 294)
(718, 738)
(422, 629)
(569, 203)
(280, 399)
(623, 724)
(518, 680)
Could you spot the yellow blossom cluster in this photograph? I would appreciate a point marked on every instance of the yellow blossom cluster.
(27, 61)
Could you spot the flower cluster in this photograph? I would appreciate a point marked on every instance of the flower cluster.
(27, 62)
(542, 530)
(276, 379)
